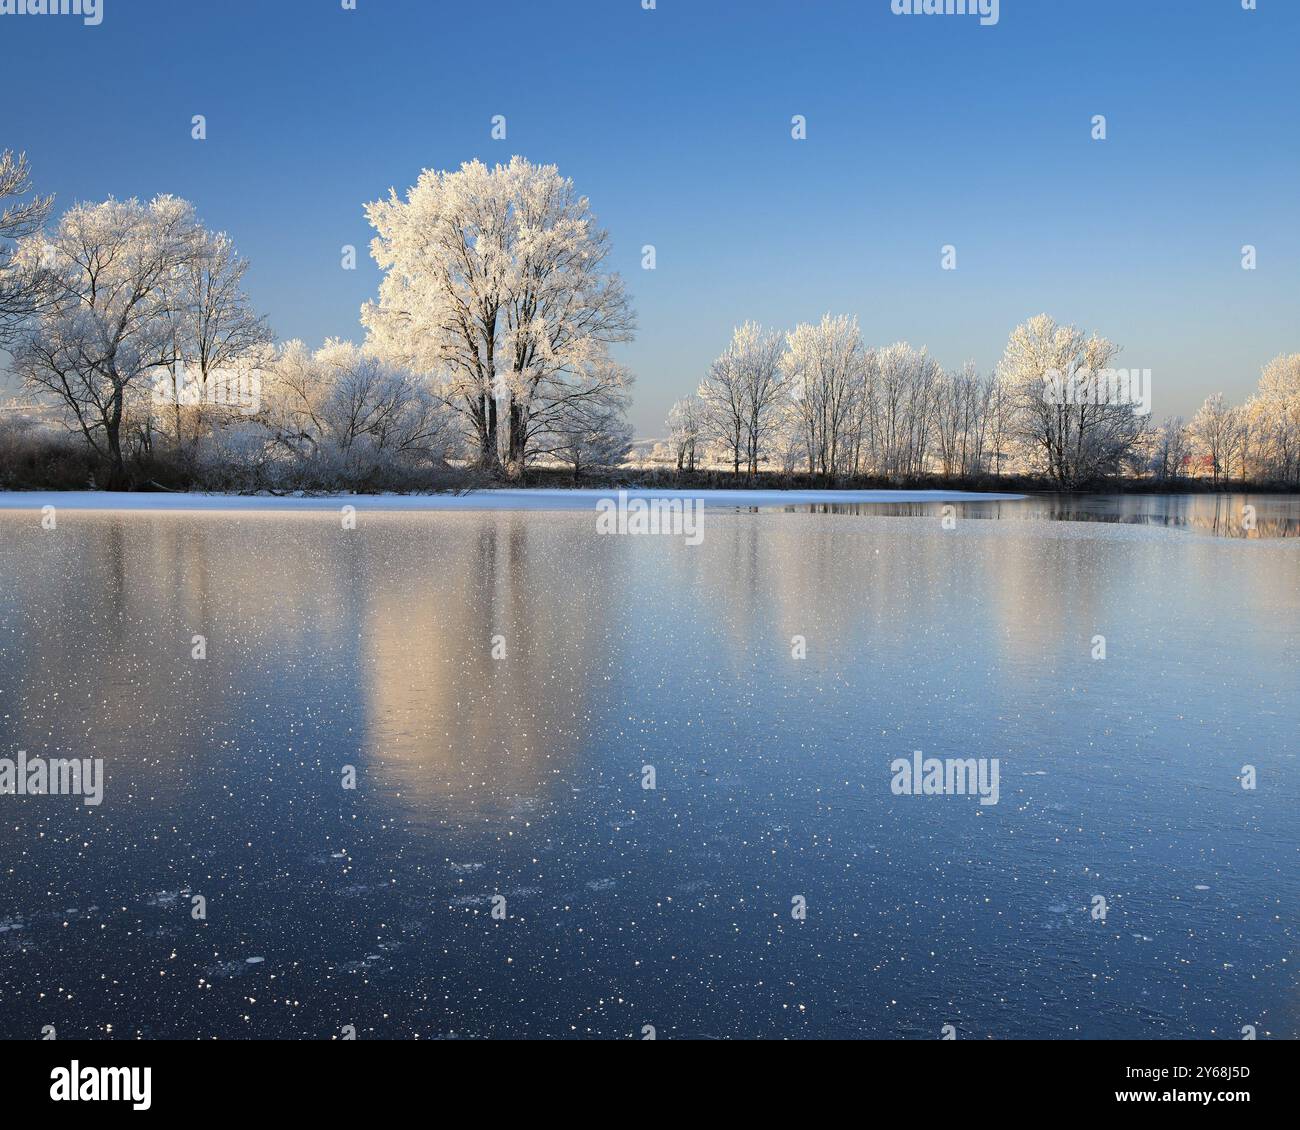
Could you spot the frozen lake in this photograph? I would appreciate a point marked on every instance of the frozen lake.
(501, 679)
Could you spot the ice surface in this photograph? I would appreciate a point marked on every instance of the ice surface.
(521, 777)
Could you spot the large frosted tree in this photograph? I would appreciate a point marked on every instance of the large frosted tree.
(497, 282)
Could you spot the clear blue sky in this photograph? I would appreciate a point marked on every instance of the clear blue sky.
(923, 131)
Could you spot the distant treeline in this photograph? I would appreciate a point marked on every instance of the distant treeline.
(1055, 411)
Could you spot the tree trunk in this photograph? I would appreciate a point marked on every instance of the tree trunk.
(488, 459)
(518, 435)
(113, 439)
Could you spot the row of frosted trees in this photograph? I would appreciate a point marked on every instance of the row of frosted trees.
(1258, 441)
(487, 343)
(821, 401)
(142, 340)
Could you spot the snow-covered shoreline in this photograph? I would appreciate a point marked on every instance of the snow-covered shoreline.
(503, 499)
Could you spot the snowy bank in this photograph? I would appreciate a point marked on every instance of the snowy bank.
(473, 500)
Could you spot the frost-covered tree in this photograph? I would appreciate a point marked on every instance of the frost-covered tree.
(588, 439)
(1076, 437)
(22, 284)
(998, 406)
(342, 413)
(1277, 412)
(722, 408)
(826, 365)
(764, 386)
(961, 420)
(218, 334)
(1216, 429)
(592, 401)
(116, 290)
(1171, 446)
(585, 423)
(742, 393)
(901, 417)
(684, 431)
(496, 281)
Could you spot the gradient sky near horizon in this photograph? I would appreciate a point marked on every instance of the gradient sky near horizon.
(922, 131)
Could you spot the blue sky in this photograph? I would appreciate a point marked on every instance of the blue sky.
(922, 131)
